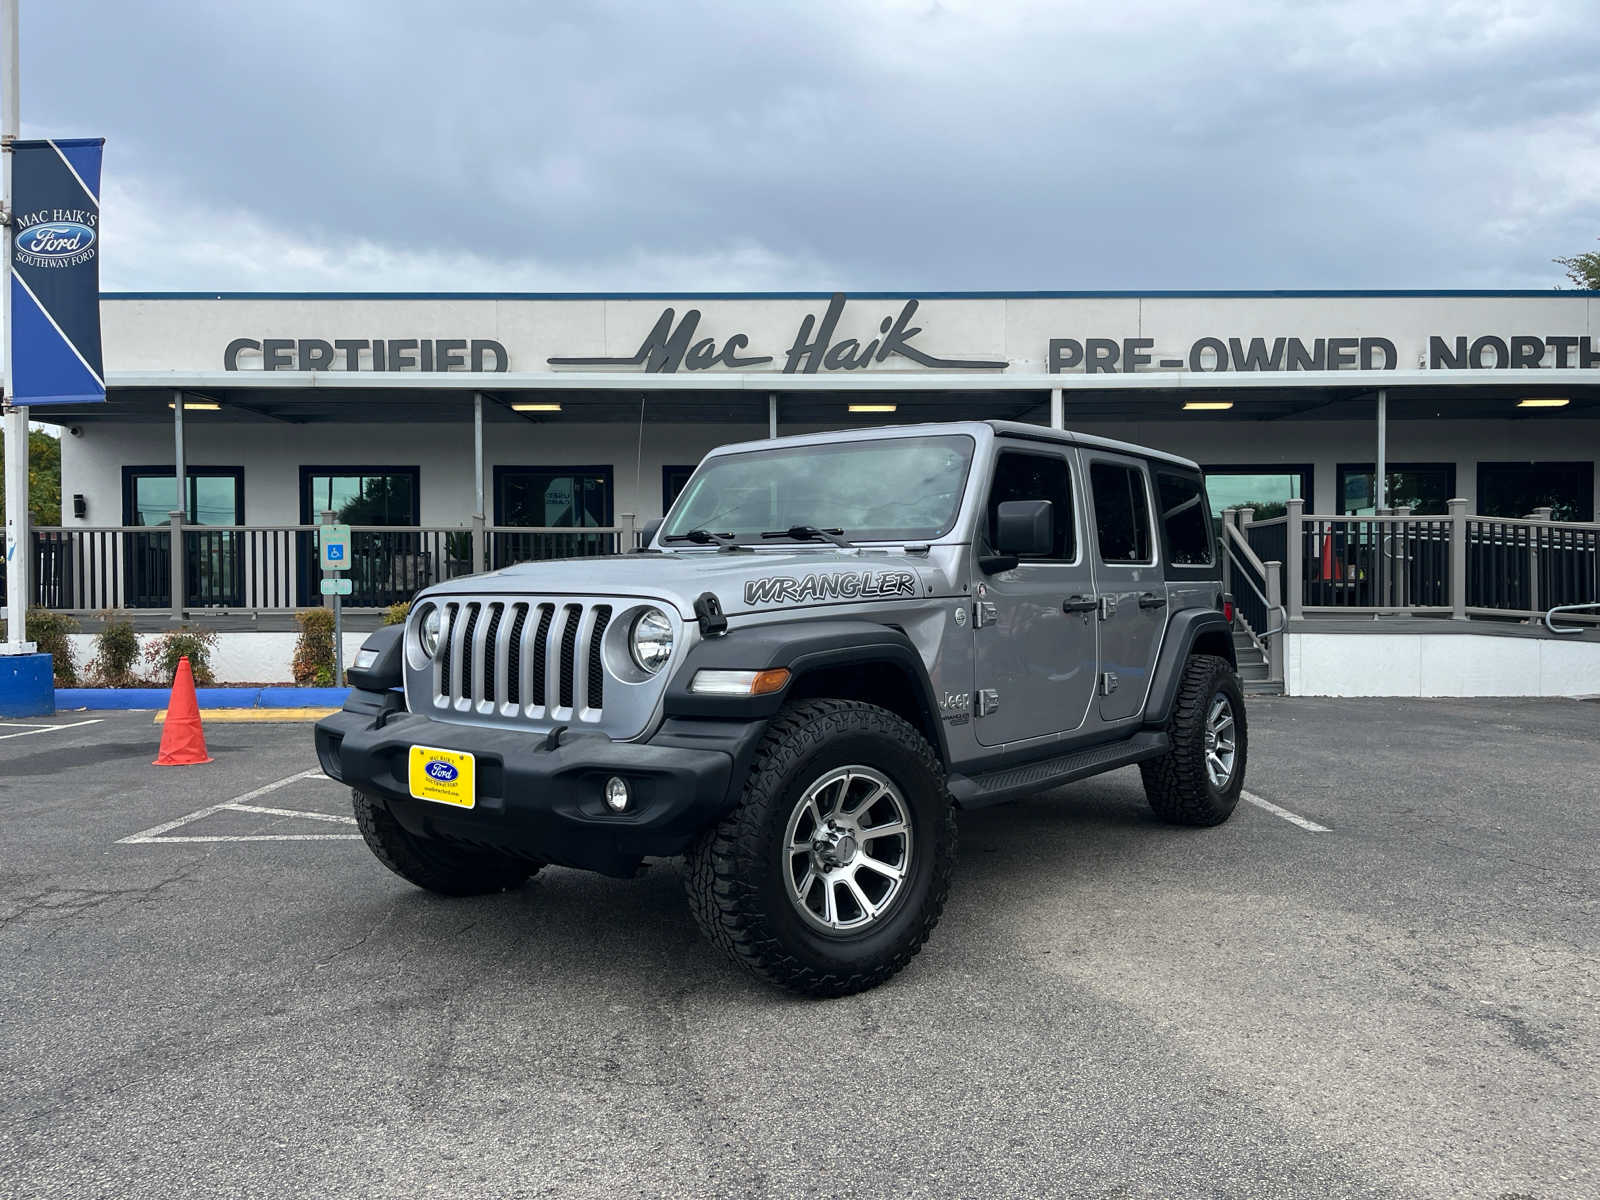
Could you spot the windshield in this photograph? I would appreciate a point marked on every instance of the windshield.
(885, 489)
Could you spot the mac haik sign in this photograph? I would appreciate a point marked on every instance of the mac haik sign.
(55, 273)
(675, 343)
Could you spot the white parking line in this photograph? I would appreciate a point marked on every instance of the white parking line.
(242, 804)
(30, 729)
(1292, 818)
(289, 812)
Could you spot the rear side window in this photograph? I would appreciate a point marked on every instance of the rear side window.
(1185, 519)
(1122, 513)
(1036, 477)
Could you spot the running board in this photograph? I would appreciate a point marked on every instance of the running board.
(1010, 783)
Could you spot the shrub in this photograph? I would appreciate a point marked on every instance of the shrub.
(396, 614)
(196, 645)
(313, 653)
(116, 649)
(48, 630)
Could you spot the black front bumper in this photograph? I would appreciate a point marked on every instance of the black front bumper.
(543, 802)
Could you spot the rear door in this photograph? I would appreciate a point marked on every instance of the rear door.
(1129, 581)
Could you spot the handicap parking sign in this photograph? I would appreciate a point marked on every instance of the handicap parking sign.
(335, 542)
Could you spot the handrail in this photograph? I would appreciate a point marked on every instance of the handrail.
(1554, 628)
(1269, 521)
(1234, 539)
(1234, 536)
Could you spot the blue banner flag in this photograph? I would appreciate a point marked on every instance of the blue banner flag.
(54, 356)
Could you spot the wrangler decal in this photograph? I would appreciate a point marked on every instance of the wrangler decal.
(863, 585)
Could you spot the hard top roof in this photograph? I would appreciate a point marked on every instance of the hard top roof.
(980, 429)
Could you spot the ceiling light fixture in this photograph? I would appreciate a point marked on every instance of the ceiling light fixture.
(1543, 402)
(873, 408)
(197, 405)
(1206, 405)
(536, 408)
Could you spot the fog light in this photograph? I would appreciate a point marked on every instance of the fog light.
(616, 794)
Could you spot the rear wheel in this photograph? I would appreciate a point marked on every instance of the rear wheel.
(437, 866)
(1198, 780)
(833, 869)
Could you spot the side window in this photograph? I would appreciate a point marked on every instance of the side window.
(1122, 513)
(1019, 476)
(1185, 519)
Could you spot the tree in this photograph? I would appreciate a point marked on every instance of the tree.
(1583, 269)
(44, 479)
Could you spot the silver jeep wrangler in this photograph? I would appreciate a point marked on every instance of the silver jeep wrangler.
(830, 643)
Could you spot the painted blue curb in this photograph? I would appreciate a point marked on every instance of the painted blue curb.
(298, 697)
(213, 697)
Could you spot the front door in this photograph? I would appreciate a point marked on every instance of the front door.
(1034, 643)
(1132, 589)
(551, 512)
(387, 565)
(214, 558)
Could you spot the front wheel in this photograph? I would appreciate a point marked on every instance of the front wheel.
(1198, 780)
(832, 870)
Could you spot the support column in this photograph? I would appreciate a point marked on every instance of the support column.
(772, 415)
(479, 539)
(1294, 572)
(179, 512)
(1275, 643)
(1380, 488)
(1458, 558)
(1058, 410)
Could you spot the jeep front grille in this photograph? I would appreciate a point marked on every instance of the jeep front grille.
(532, 658)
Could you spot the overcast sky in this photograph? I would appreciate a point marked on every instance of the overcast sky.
(884, 144)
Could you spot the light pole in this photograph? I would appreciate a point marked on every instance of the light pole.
(16, 417)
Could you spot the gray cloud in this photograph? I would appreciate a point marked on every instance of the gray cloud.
(890, 145)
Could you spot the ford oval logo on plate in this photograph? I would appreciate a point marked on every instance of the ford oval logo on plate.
(442, 771)
(55, 239)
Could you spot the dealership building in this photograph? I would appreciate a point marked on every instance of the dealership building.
(464, 431)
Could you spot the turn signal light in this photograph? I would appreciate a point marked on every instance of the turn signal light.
(739, 683)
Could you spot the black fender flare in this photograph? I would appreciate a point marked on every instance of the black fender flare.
(803, 648)
(1189, 628)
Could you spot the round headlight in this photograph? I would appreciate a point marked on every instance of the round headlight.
(428, 632)
(651, 642)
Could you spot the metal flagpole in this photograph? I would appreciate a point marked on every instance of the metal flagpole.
(16, 418)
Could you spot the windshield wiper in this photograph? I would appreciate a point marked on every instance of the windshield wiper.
(704, 537)
(810, 533)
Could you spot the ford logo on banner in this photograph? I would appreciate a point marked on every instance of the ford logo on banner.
(442, 771)
(57, 239)
(54, 355)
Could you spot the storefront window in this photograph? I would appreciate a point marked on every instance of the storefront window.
(1515, 489)
(553, 497)
(1263, 488)
(1424, 488)
(360, 495)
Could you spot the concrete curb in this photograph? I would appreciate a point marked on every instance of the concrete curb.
(68, 699)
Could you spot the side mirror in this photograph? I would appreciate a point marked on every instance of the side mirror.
(1025, 528)
(648, 531)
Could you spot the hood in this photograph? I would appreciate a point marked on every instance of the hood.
(742, 582)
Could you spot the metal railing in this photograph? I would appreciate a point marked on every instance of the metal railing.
(1257, 590)
(1457, 565)
(274, 568)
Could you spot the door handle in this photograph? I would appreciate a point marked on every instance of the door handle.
(1151, 600)
(1078, 604)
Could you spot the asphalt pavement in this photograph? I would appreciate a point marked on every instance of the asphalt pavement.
(211, 988)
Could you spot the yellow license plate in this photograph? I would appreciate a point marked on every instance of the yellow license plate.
(443, 776)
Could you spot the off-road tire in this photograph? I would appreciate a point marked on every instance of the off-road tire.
(1177, 785)
(734, 875)
(436, 866)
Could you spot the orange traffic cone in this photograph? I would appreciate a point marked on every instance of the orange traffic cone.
(183, 742)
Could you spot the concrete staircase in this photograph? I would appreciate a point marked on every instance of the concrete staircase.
(1253, 667)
